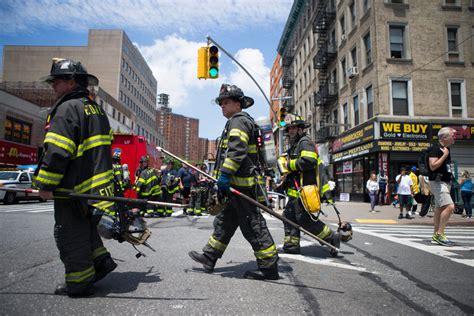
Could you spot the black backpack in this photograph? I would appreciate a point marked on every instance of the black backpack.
(423, 163)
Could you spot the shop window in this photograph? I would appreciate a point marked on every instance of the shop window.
(17, 131)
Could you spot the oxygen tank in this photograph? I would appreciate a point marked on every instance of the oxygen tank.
(268, 149)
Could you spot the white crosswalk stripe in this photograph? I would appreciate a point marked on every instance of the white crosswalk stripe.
(419, 237)
(27, 208)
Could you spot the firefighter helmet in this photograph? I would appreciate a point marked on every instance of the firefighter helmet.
(69, 69)
(345, 229)
(144, 159)
(116, 156)
(233, 92)
(295, 120)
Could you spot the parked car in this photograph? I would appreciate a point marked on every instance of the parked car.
(17, 179)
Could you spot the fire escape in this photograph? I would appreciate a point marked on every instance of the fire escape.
(288, 77)
(326, 54)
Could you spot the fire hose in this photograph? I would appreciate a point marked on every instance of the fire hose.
(252, 201)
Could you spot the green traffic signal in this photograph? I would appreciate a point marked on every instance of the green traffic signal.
(282, 123)
(213, 62)
(213, 72)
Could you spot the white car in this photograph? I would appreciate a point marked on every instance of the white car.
(17, 179)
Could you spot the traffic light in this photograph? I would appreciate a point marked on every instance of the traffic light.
(213, 65)
(202, 63)
(281, 116)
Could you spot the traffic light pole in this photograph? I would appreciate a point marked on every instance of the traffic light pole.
(209, 40)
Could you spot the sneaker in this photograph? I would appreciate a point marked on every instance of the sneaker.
(408, 216)
(400, 216)
(440, 240)
(207, 263)
(446, 240)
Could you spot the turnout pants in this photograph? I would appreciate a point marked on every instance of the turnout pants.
(80, 248)
(295, 212)
(240, 213)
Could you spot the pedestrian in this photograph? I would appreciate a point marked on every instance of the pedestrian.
(440, 176)
(415, 188)
(466, 192)
(373, 189)
(425, 195)
(404, 192)
(304, 168)
(382, 192)
(236, 165)
(77, 158)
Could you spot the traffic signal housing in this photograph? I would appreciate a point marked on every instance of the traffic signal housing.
(281, 116)
(213, 64)
(202, 71)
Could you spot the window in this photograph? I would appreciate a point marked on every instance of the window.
(343, 68)
(365, 5)
(354, 57)
(368, 49)
(452, 39)
(346, 116)
(400, 97)
(452, 3)
(370, 102)
(334, 116)
(17, 131)
(355, 102)
(457, 98)
(397, 46)
(352, 10)
(342, 26)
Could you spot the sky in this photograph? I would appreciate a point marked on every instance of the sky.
(168, 34)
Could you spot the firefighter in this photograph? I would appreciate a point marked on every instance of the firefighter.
(236, 162)
(197, 203)
(119, 179)
(305, 168)
(170, 185)
(148, 187)
(77, 158)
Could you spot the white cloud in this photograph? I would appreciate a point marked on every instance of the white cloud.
(186, 16)
(173, 61)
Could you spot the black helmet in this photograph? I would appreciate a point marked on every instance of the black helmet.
(144, 159)
(233, 92)
(69, 69)
(116, 156)
(295, 120)
(345, 229)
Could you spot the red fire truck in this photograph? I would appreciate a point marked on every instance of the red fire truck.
(132, 148)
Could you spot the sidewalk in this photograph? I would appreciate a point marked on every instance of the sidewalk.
(359, 213)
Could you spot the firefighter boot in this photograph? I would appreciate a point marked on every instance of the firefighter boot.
(103, 268)
(335, 240)
(62, 289)
(263, 274)
(207, 263)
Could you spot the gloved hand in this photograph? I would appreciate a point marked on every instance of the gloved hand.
(223, 183)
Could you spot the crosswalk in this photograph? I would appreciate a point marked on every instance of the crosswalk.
(27, 207)
(419, 237)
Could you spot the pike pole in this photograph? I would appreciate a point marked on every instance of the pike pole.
(252, 201)
(96, 197)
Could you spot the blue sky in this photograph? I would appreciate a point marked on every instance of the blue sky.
(168, 34)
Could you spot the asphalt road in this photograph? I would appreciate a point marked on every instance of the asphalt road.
(391, 269)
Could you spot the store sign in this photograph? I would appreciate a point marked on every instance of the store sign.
(383, 163)
(347, 166)
(17, 154)
(353, 152)
(362, 134)
(463, 132)
(401, 146)
(405, 131)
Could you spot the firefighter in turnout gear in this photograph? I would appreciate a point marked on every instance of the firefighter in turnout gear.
(170, 185)
(77, 158)
(236, 166)
(199, 194)
(304, 168)
(148, 187)
(119, 179)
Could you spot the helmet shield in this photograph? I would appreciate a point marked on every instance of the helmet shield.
(69, 69)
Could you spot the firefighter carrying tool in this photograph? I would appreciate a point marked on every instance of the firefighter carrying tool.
(169, 184)
(148, 186)
(305, 183)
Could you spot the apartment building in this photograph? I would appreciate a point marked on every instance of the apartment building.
(386, 75)
(110, 55)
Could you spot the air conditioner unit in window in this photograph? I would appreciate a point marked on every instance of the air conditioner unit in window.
(343, 37)
(352, 72)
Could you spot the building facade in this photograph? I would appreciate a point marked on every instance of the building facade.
(388, 75)
(110, 55)
(181, 133)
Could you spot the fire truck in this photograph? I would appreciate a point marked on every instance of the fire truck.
(131, 148)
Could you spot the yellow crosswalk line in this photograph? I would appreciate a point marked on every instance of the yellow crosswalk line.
(375, 221)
